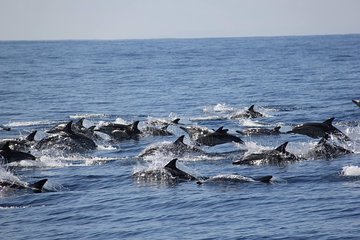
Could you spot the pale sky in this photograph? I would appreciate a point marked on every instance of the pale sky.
(143, 19)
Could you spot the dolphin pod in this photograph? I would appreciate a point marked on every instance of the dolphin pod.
(76, 138)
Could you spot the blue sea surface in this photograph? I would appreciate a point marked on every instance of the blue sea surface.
(292, 80)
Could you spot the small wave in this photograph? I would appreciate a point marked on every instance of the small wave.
(220, 107)
(208, 118)
(89, 115)
(106, 148)
(350, 171)
(231, 178)
(247, 122)
(6, 175)
(29, 123)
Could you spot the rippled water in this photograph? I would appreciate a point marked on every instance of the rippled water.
(291, 80)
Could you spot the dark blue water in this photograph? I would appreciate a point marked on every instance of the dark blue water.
(291, 80)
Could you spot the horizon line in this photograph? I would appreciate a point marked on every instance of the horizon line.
(174, 38)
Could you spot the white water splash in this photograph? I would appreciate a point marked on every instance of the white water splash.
(29, 123)
(220, 108)
(89, 115)
(6, 175)
(350, 171)
(247, 122)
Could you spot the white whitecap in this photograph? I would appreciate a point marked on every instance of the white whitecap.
(350, 171)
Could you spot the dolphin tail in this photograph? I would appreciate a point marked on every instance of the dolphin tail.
(38, 186)
(31, 136)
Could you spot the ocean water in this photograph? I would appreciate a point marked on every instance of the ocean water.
(291, 80)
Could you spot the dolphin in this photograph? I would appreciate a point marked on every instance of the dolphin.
(20, 144)
(158, 131)
(250, 113)
(176, 172)
(2, 127)
(178, 148)
(36, 187)
(235, 178)
(67, 140)
(220, 136)
(260, 131)
(327, 149)
(77, 126)
(169, 173)
(276, 156)
(10, 155)
(163, 123)
(196, 131)
(120, 131)
(356, 101)
(315, 130)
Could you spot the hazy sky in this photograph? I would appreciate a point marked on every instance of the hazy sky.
(130, 19)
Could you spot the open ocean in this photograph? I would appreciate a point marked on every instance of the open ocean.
(292, 80)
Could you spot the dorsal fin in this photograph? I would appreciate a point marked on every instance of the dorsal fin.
(329, 121)
(31, 136)
(282, 148)
(37, 186)
(265, 179)
(276, 129)
(67, 128)
(80, 122)
(221, 130)
(176, 121)
(172, 164)
(251, 108)
(6, 147)
(92, 128)
(134, 125)
(180, 140)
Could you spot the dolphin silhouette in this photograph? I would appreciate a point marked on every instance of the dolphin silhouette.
(176, 172)
(326, 148)
(36, 187)
(315, 130)
(10, 155)
(220, 136)
(67, 140)
(20, 144)
(275, 156)
(178, 148)
(249, 113)
(260, 131)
